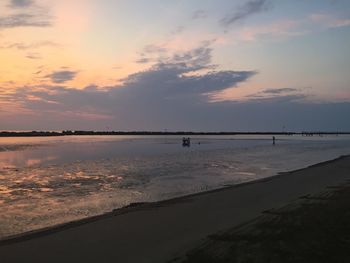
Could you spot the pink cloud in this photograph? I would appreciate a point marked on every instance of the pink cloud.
(328, 20)
(290, 28)
(279, 29)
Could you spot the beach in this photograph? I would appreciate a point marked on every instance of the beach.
(166, 230)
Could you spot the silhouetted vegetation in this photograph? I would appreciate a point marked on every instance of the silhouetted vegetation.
(29, 134)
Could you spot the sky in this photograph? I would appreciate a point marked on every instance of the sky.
(184, 65)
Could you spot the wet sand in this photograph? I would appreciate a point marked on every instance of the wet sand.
(162, 231)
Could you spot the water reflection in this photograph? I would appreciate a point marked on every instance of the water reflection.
(67, 151)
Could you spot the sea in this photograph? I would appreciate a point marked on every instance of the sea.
(46, 181)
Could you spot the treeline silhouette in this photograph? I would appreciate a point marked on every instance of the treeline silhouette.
(74, 133)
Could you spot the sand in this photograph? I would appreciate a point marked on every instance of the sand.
(162, 231)
(312, 229)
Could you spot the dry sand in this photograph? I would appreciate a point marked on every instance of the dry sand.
(162, 231)
(312, 229)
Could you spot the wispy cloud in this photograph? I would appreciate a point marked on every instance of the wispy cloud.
(279, 29)
(24, 20)
(177, 30)
(144, 60)
(199, 14)
(278, 94)
(35, 45)
(246, 10)
(21, 3)
(291, 28)
(329, 20)
(167, 51)
(154, 49)
(26, 13)
(279, 91)
(151, 53)
(33, 56)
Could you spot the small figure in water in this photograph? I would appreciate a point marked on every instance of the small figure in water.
(186, 142)
(273, 140)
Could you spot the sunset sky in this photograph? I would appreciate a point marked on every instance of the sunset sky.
(200, 65)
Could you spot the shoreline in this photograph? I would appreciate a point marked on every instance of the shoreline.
(134, 207)
(197, 201)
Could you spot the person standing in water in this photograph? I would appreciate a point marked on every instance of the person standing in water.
(273, 140)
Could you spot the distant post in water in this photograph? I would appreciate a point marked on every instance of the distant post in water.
(273, 140)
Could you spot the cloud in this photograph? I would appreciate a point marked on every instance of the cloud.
(62, 76)
(248, 9)
(199, 14)
(276, 94)
(33, 56)
(144, 60)
(167, 90)
(276, 30)
(122, 109)
(177, 30)
(286, 28)
(281, 98)
(162, 55)
(177, 77)
(24, 20)
(279, 91)
(154, 49)
(329, 20)
(21, 3)
(27, 14)
(174, 93)
(25, 46)
(151, 53)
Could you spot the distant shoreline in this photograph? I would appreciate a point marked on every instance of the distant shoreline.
(104, 133)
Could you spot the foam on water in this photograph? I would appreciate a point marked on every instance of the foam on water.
(47, 181)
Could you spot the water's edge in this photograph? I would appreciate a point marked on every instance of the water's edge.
(134, 207)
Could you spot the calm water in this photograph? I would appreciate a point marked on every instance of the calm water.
(47, 181)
